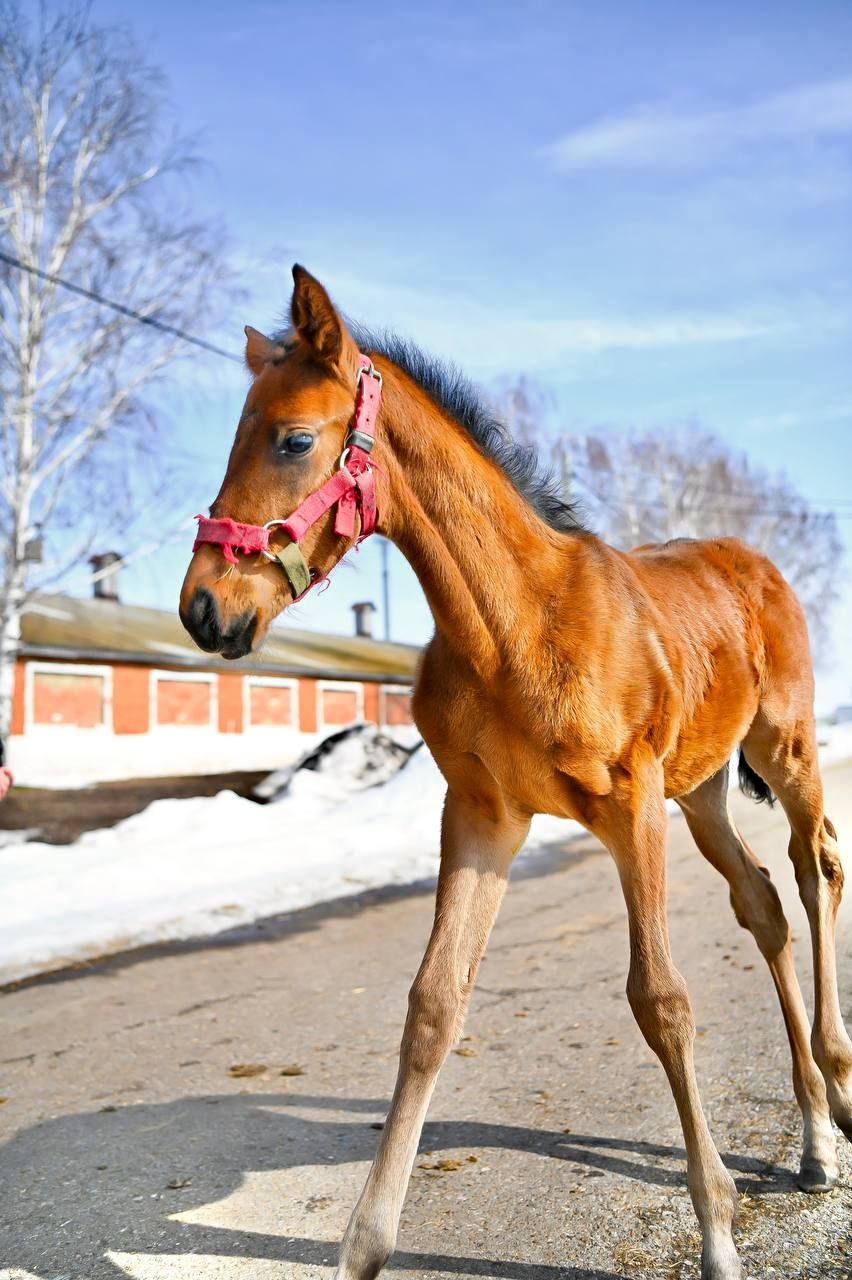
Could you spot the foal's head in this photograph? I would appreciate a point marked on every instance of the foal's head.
(289, 441)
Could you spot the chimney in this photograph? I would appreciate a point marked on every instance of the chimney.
(364, 611)
(106, 568)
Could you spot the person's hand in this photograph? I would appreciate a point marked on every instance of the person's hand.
(6, 780)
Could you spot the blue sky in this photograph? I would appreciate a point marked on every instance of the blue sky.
(645, 207)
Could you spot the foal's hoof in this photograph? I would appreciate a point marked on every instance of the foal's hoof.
(814, 1177)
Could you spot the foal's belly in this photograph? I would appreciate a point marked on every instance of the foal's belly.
(707, 742)
(573, 776)
(569, 780)
(562, 781)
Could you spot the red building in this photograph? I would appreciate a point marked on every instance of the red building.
(107, 690)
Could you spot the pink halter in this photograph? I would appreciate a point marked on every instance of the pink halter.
(352, 488)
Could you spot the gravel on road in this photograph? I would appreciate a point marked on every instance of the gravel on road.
(208, 1110)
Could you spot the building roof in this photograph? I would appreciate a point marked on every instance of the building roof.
(58, 626)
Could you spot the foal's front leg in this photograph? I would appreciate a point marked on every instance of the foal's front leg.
(478, 842)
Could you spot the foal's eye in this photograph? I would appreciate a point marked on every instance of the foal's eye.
(296, 443)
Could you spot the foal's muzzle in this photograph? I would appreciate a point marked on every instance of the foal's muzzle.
(204, 623)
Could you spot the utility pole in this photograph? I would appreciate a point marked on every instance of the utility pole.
(383, 543)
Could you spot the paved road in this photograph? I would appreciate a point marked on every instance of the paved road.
(134, 1149)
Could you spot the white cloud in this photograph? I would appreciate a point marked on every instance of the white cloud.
(488, 340)
(786, 420)
(677, 330)
(659, 136)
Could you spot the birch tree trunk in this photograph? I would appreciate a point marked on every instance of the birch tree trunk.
(89, 164)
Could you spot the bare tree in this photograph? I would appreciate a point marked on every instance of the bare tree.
(90, 191)
(657, 485)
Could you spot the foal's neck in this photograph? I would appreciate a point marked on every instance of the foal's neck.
(489, 565)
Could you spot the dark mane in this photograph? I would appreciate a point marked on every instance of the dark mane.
(453, 393)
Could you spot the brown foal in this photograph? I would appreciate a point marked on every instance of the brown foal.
(564, 677)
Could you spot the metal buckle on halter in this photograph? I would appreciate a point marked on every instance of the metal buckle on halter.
(269, 554)
(359, 440)
(371, 370)
(355, 438)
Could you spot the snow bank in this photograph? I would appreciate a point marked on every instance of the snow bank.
(182, 868)
(351, 759)
(62, 757)
(835, 743)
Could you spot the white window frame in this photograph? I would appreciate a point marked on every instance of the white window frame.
(185, 677)
(34, 668)
(340, 686)
(270, 682)
(393, 688)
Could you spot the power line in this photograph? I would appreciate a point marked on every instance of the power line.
(92, 296)
(824, 507)
(731, 492)
(687, 508)
(684, 509)
(739, 493)
(734, 492)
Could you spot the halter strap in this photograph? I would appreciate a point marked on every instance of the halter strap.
(351, 489)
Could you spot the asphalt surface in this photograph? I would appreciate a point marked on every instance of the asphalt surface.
(208, 1110)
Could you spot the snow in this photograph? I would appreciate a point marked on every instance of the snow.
(49, 611)
(835, 744)
(184, 868)
(350, 760)
(64, 757)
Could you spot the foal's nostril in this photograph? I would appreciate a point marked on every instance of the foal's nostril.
(237, 640)
(202, 620)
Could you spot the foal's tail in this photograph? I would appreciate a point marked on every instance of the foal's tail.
(751, 783)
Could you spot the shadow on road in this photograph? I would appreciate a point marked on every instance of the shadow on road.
(77, 1187)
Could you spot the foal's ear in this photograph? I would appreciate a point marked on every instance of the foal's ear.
(259, 349)
(315, 319)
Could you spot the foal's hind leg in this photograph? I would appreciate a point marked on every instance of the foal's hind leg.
(785, 755)
(635, 834)
(758, 908)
